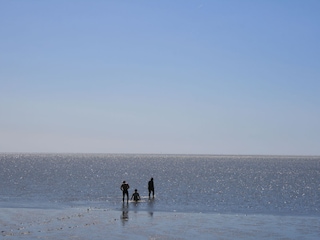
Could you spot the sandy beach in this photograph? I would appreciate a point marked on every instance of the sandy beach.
(95, 223)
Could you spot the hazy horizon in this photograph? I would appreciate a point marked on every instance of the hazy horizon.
(164, 154)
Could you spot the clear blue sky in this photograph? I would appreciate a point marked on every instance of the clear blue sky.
(198, 77)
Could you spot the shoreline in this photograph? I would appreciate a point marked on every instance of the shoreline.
(98, 223)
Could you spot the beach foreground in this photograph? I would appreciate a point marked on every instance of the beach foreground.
(96, 223)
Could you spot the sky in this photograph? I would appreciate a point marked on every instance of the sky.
(162, 77)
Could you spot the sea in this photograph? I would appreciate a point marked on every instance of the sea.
(213, 184)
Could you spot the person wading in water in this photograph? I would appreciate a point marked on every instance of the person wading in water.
(151, 187)
(124, 188)
(135, 196)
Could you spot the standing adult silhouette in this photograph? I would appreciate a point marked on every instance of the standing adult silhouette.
(124, 188)
(151, 187)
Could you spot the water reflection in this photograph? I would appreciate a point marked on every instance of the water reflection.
(140, 207)
(136, 206)
(150, 207)
(125, 213)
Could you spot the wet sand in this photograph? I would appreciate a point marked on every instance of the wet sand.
(129, 223)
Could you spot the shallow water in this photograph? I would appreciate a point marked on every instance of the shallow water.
(280, 185)
(80, 223)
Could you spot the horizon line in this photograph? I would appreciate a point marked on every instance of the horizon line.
(194, 154)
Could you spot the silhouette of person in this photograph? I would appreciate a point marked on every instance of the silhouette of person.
(135, 196)
(124, 188)
(151, 187)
